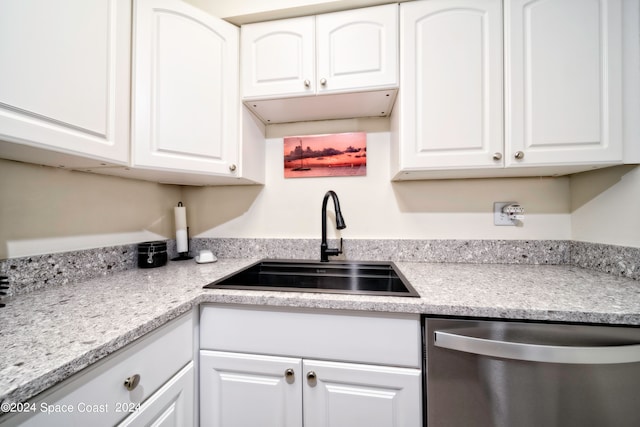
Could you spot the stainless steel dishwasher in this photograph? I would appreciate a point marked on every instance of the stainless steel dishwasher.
(518, 374)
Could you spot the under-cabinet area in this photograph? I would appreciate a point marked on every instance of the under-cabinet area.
(293, 367)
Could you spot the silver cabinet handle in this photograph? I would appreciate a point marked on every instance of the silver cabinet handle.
(132, 382)
(289, 376)
(323, 81)
(232, 167)
(497, 156)
(539, 353)
(519, 155)
(307, 83)
(312, 378)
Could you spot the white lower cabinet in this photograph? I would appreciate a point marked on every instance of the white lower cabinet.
(249, 390)
(163, 394)
(171, 406)
(265, 370)
(239, 389)
(347, 394)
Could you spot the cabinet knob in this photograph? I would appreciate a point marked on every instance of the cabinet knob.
(232, 167)
(289, 376)
(519, 155)
(323, 81)
(132, 382)
(307, 83)
(497, 156)
(312, 379)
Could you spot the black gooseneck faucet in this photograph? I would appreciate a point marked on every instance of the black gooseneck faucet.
(325, 251)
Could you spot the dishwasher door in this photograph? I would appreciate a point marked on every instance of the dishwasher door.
(517, 374)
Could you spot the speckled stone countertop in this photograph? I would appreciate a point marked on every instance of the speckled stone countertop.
(49, 334)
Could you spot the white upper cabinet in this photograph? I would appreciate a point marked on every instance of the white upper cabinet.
(562, 88)
(65, 79)
(564, 82)
(278, 57)
(451, 96)
(186, 107)
(350, 58)
(357, 49)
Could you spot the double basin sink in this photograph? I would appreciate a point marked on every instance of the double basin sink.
(343, 277)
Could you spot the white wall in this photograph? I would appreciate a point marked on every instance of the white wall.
(46, 210)
(605, 206)
(374, 207)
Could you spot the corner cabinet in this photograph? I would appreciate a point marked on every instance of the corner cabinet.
(561, 83)
(186, 107)
(257, 367)
(65, 81)
(286, 63)
(149, 382)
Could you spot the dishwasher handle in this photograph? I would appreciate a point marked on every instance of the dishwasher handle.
(539, 353)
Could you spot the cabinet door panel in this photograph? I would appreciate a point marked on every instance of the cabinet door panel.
(277, 57)
(564, 69)
(171, 406)
(249, 390)
(347, 395)
(186, 105)
(452, 83)
(357, 49)
(65, 76)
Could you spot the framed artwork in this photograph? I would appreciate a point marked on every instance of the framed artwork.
(339, 154)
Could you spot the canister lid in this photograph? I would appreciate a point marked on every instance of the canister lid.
(157, 246)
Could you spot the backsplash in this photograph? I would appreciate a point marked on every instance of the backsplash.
(616, 260)
(35, 272)
(457, 251)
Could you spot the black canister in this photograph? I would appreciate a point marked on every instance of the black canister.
(152, 254)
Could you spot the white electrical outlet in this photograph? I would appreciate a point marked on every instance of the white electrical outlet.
(500, 217)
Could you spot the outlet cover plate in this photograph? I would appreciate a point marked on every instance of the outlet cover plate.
(499, 217)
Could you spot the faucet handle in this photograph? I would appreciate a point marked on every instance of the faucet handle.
(340, 250)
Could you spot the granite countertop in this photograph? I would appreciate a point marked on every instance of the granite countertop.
(50, 334)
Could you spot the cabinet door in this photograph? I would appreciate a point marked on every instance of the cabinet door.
(238, 390)
(357, 49)
(278, 58)
(186, 98)
(347, 395)
(563, 81)
(171, 406)
(65, 76)
(451, 99)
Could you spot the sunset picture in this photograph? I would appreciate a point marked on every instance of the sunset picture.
(342, 154)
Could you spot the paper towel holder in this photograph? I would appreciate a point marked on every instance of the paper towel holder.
(182, 256)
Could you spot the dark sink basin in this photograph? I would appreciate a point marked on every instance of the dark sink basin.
(344, 277)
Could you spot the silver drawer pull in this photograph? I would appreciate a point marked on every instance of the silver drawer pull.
(132, 382)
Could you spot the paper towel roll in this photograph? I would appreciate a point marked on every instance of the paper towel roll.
(182, 239)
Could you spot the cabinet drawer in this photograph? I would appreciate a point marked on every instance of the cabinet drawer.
(380, 338)
(97, 395)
